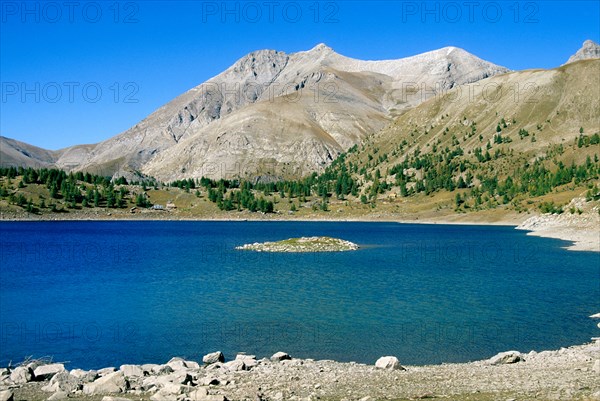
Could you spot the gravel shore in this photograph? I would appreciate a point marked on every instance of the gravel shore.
(567, 374)
(582, 229)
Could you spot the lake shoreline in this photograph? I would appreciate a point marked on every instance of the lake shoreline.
(581, 230)
(545, 375)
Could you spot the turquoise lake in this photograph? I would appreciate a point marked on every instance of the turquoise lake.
(99, 294)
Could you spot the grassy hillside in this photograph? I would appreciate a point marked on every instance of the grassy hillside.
(515, 141)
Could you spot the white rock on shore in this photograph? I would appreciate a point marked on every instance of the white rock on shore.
(507, 357)
(46, 372)
(213, 357)
(280, 356)
(112, 383)
(63, 381)
(106, 371)
(86, 376)
(21, 375)
(388, 362)
(132, 370)
(6, 395)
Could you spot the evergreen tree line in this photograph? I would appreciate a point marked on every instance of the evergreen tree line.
(440, 169)
(75, 189)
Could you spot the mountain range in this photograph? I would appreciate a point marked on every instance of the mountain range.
(274, 115)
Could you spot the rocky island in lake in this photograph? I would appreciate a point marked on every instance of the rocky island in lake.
(303, 244)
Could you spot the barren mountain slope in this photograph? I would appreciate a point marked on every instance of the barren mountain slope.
(338, 98)
(17, 153)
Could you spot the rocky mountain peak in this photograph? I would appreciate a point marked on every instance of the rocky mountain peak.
(451, 49)
(260, 61)
(321, 48)
(589, 49)
(273, 111)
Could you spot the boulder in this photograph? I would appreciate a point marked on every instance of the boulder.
(179, 377)
(507, 357)
(150, 383)
(388, 362)
(209, 381)
(132, 370)
(112, 383)
(213, 357)
(172, 388)
(177, 364)
(109, 398)
(198, 394)
(596, 367)
(64, 382)
(46, 372)
(163, 396)
(249, 360)
(150, 367)
(59, 395)
(35, 364)
(21, 375)
(280, 356)
(161, 370)
(106, 371)
(192, 364)
(135, 383)
(86, 376)
(235, 366)
(6, 395)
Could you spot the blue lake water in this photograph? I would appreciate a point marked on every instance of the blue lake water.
(100, 294)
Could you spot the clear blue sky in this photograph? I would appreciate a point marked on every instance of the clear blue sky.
(149, 52)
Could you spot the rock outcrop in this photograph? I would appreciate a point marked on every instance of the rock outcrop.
(589, 50)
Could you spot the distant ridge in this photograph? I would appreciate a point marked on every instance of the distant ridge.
(271, 114)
